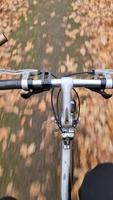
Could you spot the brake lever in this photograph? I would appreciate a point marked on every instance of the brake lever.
(27, 95)
(30, 93)
(105, 95)
(102, 93)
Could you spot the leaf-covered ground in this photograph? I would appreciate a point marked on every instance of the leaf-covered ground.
(61, 35)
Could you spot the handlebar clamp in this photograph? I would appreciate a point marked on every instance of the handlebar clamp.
(46, 80)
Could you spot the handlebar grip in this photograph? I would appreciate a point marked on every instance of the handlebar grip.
(10, 84)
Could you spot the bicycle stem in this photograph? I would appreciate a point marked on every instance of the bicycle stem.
(66, 118)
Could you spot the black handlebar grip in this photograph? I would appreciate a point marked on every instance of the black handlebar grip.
(10, 84)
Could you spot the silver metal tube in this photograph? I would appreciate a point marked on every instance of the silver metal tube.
(78, 83)
(37, 82)
(86, 83)
(65, 171)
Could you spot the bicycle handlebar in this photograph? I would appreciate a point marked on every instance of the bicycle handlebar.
(30, 81)
(10, 84)
(34, 84)
(27, 84)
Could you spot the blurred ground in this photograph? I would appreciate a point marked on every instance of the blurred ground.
(60, 35)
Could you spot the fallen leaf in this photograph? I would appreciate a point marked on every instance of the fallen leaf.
(29, 46)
